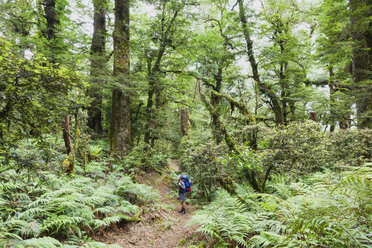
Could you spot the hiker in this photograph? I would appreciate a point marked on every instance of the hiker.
(182, 193)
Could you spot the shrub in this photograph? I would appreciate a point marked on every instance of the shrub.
(298, 148)
(201, 162)
(301, 148)
(34, 96)
(350, 147)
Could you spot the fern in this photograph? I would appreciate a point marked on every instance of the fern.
(64, 207)
(46, 242)
(328, 210)
(144, 193)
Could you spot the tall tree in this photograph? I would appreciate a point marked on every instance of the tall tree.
(216, 49)
(121, 131)
(334, 51)
(164, 39)
(361, 25)
(98, 64)
(53, 12)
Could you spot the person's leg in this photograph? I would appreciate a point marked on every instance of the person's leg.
(184, 207)
(182, 200)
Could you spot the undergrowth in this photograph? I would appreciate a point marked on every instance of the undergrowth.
(324, 210)
(45, 208)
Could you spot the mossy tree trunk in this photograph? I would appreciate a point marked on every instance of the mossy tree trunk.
(185, 121)
(218, 128)
(98, 65)
(121, 128)
(66, 134)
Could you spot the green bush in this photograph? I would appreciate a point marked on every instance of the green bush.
(201, 162)
(34, 95)
(298, 148)
(301, 148)
(350, 147)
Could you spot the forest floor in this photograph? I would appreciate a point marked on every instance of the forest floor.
(161, 228)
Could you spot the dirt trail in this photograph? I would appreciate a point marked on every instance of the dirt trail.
(161, 228)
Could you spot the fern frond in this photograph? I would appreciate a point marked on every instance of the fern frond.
(46, 242)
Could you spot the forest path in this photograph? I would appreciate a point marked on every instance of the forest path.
(164, 228)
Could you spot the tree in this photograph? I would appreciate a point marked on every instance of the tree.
(54, 45)
(164, 37)
(361, 33)
(121, 131)
(17, 21)
(334, 51)
(98, 64)
(265, 89)
(216, 50)
(33, 96)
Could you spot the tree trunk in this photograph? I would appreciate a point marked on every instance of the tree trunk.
(185, 121)
(149, 113)
(219, 128)
(50, 14)
(50, 32)
(332, 98)
(66, 133)
(312, 116)
(98, 63)
(121, 132)
(283, 81)
(361, 11)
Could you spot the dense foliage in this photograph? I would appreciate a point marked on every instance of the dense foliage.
(323, 210)
(36, 202)
(35, 95)
(297, 149)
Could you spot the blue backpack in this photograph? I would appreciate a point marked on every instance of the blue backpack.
(187, 182)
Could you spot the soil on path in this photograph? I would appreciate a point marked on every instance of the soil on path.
(164, 228)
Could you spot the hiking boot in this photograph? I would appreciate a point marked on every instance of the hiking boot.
(183, 211)
(180, 210)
